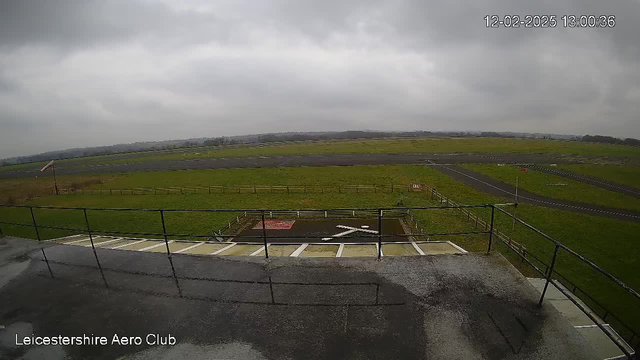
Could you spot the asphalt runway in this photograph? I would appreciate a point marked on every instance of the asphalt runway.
(297, 160)
(441, 162)
(495, 187)
(604, 184)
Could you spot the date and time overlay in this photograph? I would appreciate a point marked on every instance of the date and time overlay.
(550, 21)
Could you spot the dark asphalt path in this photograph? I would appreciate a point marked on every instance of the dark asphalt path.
(495, 187)
(423, 307)
(297, 160)
(603, 184)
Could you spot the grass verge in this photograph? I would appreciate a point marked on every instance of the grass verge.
(621, 174)
(545, 184)
(612, 244)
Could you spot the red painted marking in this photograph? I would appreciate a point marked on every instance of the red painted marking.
(275, 225)
(524, 170)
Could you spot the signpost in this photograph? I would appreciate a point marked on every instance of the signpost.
(52, 165)
(514, 209)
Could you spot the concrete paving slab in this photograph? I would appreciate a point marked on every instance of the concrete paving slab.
(119, 244)
(320, 251)
(437, 248)
(552, 292)
(600, 342)
(140, 245)
(67, 239)
(282, 250)
(78, 242)
(571, 312)
(205, 249)
(359, 251)
(173, 247)
(399, 250)
(241, 250)
(97, 240)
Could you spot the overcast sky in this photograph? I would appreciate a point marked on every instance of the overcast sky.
(80, 73)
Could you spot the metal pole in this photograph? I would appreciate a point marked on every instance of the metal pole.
(86, 220)
(493, 210)
(379, 234)
(514, 209)
(164, 232)
(264, 236)
(35, 226)
(546, 284)
(55, 182)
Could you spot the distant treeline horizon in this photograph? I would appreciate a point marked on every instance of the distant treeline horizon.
(292, 137)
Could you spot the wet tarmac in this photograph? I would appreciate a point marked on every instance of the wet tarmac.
(426, 307)
(325, 230)
(495, 187)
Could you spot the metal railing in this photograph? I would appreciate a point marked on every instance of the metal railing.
(547, 270)
(377, 239)
(250, 189)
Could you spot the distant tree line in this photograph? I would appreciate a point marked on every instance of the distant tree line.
(610, 140)
(219, 141)
(169, 145)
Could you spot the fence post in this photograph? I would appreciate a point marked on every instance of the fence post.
(35, 226)
(264, 236)
(493, 210)
(86, 220)
(546, 284)
(379, 234)
(164, 232)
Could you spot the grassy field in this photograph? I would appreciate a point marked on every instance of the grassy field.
(429, 145)
(18, 190)
(330, 175)
(538, 182)
(418, 145)
(610, 243)
(625, 175)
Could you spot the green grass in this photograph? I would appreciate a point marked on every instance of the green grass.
(537, 182)
(610, 243)
(17, 190)
(621, 174)
(430, 145)
(417, 145)
(330, 175)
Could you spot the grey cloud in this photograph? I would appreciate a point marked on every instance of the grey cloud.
(80, 73)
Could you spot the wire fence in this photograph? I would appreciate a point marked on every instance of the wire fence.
(250, 189)
(546, 269)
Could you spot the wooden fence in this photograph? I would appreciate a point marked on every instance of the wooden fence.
(250, 189)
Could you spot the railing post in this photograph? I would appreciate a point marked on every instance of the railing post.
(86, 220)
(379, 234)
(493, 211)
(550, 274)
(264, 236)
(35, 226)
(164, 232)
